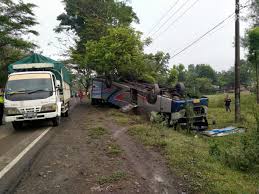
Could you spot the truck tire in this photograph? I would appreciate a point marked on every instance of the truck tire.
(17, 125)
(66, 114)
(56, 121)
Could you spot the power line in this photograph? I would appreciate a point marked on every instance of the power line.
(179, 17)
(201, 37)
(168, 11)
(204, 35)
(223, 26)
(170, 17)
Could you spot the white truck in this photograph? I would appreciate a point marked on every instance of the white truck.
(37, 88)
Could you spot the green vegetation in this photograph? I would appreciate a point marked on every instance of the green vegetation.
(114, 150)
(97, 132)
(16, 19)
(209, 165)
(238, 151)
(89, 20)
(113, 178)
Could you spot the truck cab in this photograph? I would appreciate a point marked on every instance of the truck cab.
(32, 95)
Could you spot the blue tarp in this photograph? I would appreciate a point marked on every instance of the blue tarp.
(223, 131)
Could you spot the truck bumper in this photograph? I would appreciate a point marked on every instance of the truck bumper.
(40, 116)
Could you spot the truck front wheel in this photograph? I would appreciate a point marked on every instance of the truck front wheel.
(17, 125)
(56, 121)
(66, 114)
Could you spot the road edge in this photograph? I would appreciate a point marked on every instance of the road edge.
(12, 174)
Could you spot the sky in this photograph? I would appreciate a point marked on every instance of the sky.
(216, 49)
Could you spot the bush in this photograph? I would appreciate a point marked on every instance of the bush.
(242, 155)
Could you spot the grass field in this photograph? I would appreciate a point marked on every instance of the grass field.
(223, 118)
(189, 155)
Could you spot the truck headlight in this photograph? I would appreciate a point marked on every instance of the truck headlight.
(11, 111)
(49, 108)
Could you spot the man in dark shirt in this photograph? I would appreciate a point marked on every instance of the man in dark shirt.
(227, 103)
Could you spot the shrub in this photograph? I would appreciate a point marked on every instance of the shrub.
(244, 154)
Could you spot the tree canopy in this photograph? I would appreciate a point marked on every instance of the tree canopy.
(17, 20)
(90, 19)
(254, 14)
(118, 54)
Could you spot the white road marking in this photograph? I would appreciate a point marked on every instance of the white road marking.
(23, 153)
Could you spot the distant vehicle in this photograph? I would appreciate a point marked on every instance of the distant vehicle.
(151, 98)
(37, 88)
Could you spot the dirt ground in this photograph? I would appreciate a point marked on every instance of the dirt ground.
(91, 153)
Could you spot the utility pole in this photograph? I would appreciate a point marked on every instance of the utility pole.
(237, 63)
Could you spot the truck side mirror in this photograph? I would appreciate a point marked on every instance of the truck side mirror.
(58, 84)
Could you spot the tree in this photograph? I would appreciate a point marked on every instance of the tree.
(118, 54)
(226, 79)
(253, 52)
(157, 66)
(181, 72)
(254, 15)
(172, 77)
(206, 71)
(83, 70)
(16, 20)
(90, 19)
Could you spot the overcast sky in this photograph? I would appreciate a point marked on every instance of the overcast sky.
(216, 49)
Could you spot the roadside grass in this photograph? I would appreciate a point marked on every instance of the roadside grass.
(119, 117)
(189, 157)
(189, 154)
(113, 178)
(114, 150)
(217, 110)
(97, 132)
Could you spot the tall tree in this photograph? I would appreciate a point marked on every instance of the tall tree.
(118, 54)
(90, 19)
(16, 21)
(253, 48)
(206, 71)
(254, 14)
(157, 66)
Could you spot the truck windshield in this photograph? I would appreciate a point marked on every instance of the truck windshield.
(18, 89)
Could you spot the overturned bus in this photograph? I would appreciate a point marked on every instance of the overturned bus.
(170, 103)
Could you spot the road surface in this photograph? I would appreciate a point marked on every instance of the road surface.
(88, 153)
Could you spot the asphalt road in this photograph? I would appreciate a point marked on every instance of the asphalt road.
(14, 145)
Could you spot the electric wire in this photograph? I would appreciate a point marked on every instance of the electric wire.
(164, 23)
(159, 21)
(177, 19)
(205, 34)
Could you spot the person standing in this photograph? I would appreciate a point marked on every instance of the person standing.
(1, 105)
(80, 94)
(228, 103)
